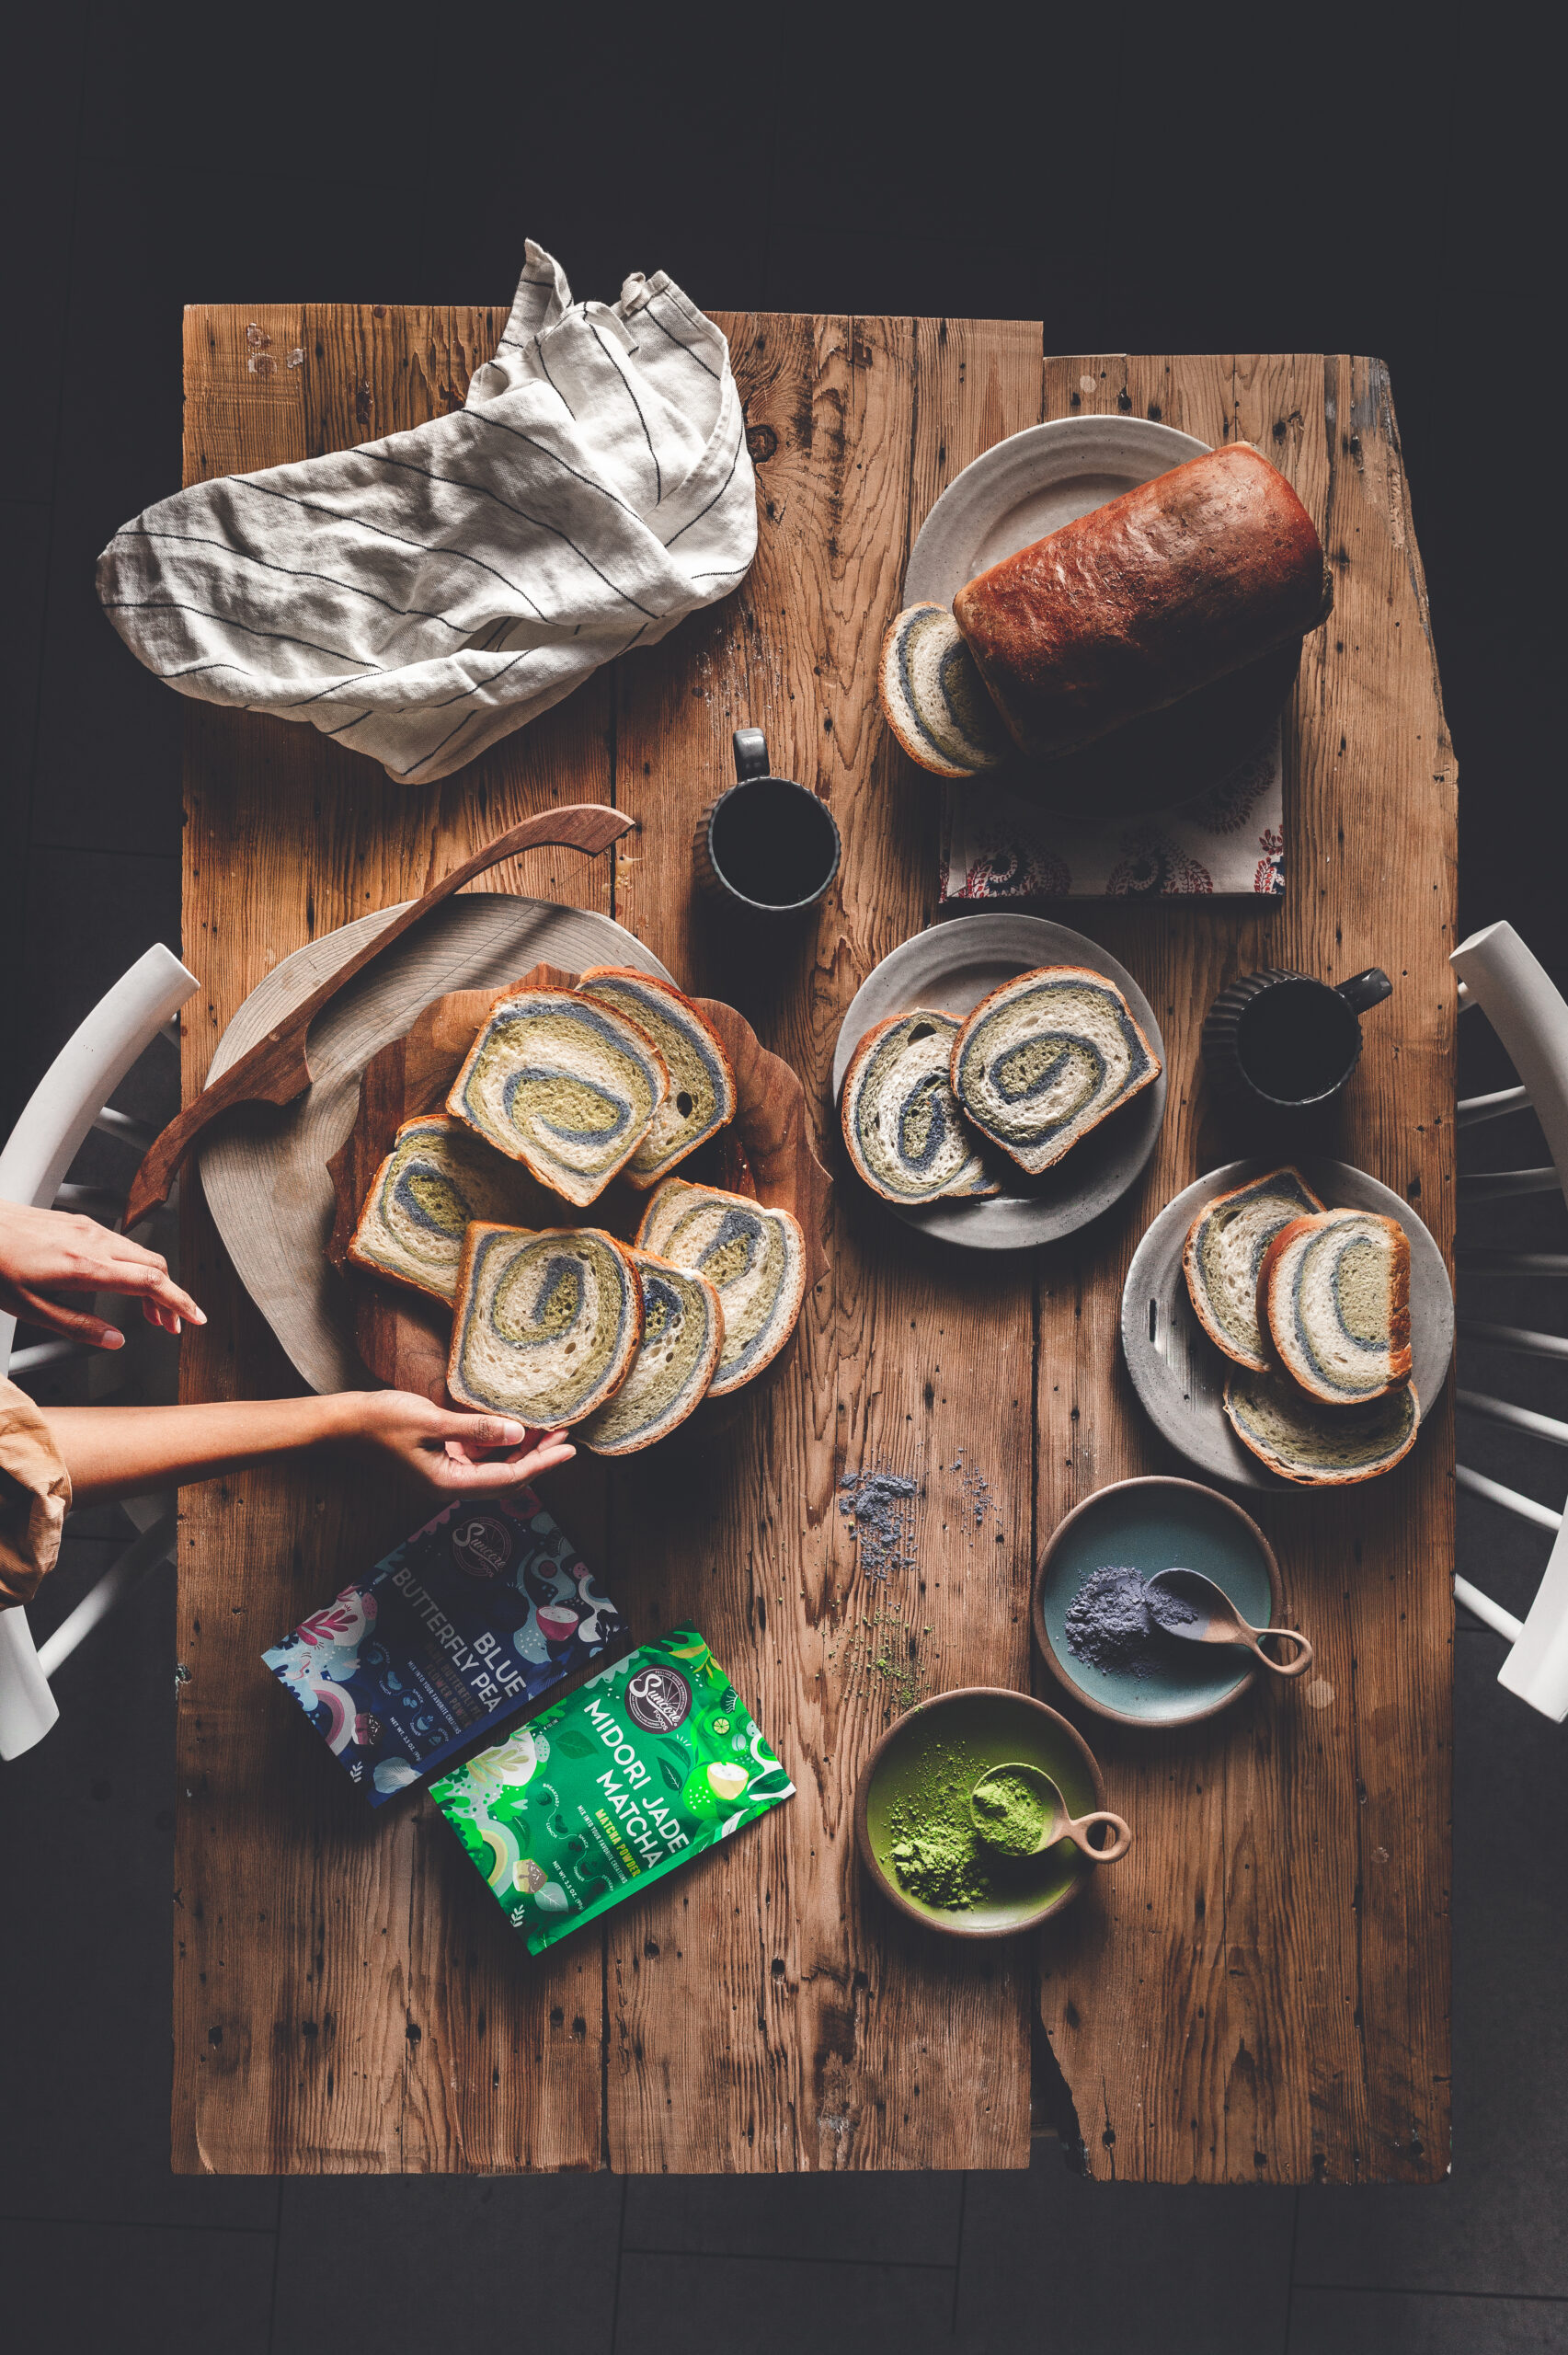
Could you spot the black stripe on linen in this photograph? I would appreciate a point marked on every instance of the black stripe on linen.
(204, 540)
(191, 669)
(226, 621)
(358, 524)
(320, 696)
(539, 346)
(739, 444)
(647, 437)
(648, 311)
(483, 417)
(478, 490)
(425, 758)
(348, 724)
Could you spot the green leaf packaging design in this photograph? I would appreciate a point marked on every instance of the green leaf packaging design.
(629, 1777)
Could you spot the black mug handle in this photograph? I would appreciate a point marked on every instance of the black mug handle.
(751, 754)
(1365, 990)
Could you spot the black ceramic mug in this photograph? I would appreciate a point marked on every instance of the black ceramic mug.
(1286, 1041)
(767, 847)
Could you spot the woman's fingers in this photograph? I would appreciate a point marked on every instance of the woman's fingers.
(76, 1324)
(150, 1276)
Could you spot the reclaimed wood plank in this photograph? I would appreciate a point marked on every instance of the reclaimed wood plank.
(328, 2013)
(768, 2012)
(1261, 1995)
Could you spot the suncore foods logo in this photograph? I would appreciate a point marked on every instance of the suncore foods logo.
(659, 1699)
(482, 1545)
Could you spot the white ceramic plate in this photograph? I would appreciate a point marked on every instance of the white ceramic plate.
(1180, 1375)
(1031, 484)
(263, 1173)
(952, 967)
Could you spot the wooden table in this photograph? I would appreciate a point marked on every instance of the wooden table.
(1261, 1992)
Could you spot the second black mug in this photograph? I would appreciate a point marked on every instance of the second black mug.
(1287, 1041)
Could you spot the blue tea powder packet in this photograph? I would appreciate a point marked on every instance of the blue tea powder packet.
(480, 1611)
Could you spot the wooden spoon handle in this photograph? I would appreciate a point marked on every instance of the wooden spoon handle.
(275, 1070)
(1080, 1826)
(1298, 1665)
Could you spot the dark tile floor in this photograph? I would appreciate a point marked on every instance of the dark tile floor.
(1381, 185)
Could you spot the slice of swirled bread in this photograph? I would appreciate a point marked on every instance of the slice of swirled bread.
(754, 1257)
(565, 1085)
(701, 1097)
(934, 697)
(1224, 1252)
(437, 1180)
(901, 1118)
(547, 1323)
(682, 1337)
(1044, 1058)
(1319, 1446)
(1333, 1295)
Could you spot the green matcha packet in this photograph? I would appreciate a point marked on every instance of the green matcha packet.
(630, 1776)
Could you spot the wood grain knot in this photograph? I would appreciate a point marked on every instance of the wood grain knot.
(761, 441)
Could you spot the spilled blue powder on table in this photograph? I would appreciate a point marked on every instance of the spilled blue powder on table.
(877, 1505)
(1111, 1628)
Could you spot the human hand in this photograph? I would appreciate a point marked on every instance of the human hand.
(46, 1251)
(459, 1453)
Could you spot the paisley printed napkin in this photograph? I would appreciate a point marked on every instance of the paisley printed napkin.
(997, 844)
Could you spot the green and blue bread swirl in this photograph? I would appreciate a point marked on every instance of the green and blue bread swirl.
(1044, 1058)
(934, 697)
(545, 1325)
(901, 1118)
(1319, 1446)
(702, 1083)
(755, 1259)
(566, 1086)
(1334, 1293)
(438, 1178)
(682, 1337)
(1224, 1254)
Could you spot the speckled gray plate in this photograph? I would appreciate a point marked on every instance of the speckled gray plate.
(263, 1173)
(1031, 484)
(1180, 1375)
(951, 967)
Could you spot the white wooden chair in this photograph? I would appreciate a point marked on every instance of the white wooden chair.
(71, 1099)
(1499, 974)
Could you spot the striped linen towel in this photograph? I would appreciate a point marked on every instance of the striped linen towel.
(420, 596)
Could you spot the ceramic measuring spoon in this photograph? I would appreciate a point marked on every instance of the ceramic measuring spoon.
(1216, 1619)
(1028, 1838)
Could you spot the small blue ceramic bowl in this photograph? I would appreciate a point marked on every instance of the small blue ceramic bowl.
(1149, 1525)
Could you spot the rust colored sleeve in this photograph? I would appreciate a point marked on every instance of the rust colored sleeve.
(35, 1497)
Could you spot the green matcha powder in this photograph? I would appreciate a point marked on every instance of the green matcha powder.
(936, 1853)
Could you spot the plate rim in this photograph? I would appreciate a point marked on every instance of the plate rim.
(1037, 1616)
(1253, 1475)
(918, 1216)
(932, 1917)
(971, 481)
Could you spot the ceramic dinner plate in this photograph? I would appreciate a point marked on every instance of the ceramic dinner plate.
(1031, 484)
(1149, 1525)
(1176, 1370)
(264, 1175)
(979, 1728)
(952, 967)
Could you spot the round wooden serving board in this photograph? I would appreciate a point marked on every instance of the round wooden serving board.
(403, 1335)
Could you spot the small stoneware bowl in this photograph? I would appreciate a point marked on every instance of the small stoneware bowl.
(1149, 1525)
(981, 1727)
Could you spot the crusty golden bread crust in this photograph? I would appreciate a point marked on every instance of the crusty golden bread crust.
(1137, 604)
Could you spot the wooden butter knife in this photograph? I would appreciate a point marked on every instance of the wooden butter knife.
(277, 1068)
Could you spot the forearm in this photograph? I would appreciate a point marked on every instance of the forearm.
(122, 1451)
